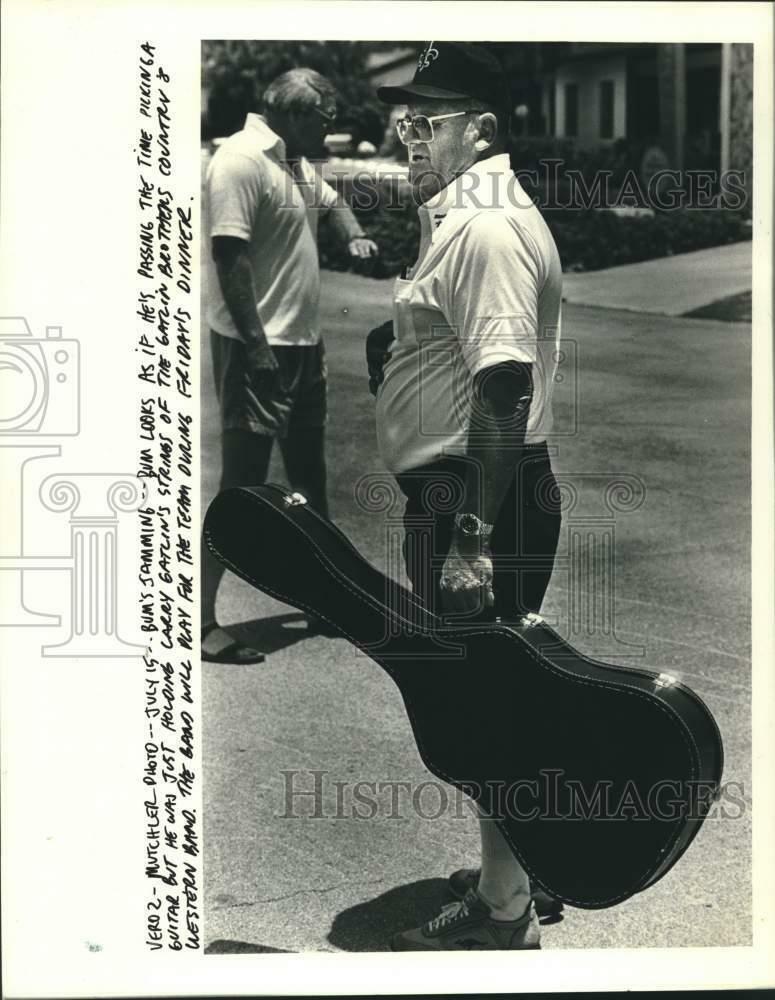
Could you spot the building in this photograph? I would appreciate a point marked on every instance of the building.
(693, 102)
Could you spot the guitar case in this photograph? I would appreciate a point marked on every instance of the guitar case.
(598, 776)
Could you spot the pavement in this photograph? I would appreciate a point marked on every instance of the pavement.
(671, 286)
(660, 399)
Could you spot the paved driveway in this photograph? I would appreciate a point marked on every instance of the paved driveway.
(668, 285)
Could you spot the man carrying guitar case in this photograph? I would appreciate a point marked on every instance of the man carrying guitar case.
(464, 408)
(601, 804)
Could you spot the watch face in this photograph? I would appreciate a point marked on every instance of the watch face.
(469, 524)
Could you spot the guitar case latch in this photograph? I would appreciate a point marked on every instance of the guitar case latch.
(294, 499)
(531, 618)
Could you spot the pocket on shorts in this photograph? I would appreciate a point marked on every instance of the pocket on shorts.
(289, 369)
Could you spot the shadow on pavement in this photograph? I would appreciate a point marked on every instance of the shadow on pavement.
(241, 948)
(369, 926)
(271, 634)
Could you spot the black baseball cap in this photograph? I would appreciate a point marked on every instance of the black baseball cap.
(450, 70)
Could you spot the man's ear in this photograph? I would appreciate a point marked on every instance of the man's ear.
(488, 131)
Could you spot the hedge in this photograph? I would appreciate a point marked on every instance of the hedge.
(586, 239)
(590, 240)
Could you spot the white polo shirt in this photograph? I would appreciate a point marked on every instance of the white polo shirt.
(252, 195)
(487, 288)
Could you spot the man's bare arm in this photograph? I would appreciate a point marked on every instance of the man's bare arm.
(235, 275)
(499, 412)
(348, 231)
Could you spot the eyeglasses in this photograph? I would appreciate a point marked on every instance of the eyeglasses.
(329, 119)
(419, 128)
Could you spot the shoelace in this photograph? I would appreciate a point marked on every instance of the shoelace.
(449, 913)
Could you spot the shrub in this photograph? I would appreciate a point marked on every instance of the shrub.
(385, 210)
(587, 240)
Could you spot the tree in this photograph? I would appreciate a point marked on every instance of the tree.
(235, 74)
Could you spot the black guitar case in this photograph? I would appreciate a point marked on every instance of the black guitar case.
(598, 776)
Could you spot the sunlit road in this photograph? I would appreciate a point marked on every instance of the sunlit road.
(659, 405)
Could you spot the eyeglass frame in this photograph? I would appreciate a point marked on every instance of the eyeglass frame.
(409, 119)
(328, 120)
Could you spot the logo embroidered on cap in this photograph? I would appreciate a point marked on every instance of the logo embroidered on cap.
(427, 57)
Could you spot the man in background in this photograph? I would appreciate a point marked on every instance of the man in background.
(464, 405)
(264, 200)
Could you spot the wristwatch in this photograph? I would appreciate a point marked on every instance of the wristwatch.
(472, 526)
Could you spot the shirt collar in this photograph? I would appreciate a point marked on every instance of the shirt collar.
(487, 190)
(270, 140)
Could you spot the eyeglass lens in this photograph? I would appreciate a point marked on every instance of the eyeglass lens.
(417, 129)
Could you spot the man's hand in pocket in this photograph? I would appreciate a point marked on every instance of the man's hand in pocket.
(378, 342)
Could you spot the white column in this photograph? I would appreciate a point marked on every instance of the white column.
(93, 501)
(13, 611)
(679, 122)
(724, 103)
(589, 560)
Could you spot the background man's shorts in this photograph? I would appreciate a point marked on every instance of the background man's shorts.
(297, 401)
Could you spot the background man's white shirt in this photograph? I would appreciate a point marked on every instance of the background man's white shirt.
(251, 195)
(487, 288)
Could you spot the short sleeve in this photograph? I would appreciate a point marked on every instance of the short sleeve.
(234, 192)
(322, 195)
(491, 292)
(328, 196)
